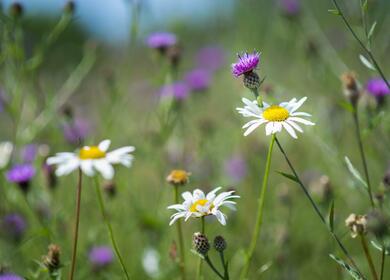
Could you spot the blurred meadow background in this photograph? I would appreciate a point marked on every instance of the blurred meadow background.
(76, 73)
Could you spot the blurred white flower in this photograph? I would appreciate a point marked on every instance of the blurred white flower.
(6, 149)
(150, 262)
(91, 159)
(275, 117)
(198, 205)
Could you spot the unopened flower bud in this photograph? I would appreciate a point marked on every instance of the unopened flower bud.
(16, 10)
(174, 55)
(357, 224)
(178, 177)
(220, 243)
(69, 7)
(52, 259)
(251, 80)
(350, 87)
(201, 243)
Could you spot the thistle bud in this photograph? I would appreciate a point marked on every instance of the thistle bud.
(200, 243)
(357, 224)
(52, 259)
(220, 243)
(251, 80)
(350, 87)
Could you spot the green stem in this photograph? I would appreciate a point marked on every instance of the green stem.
(76, 226)
(224, 264)
(367, 50)
(109, 227)
(368, 256)
(208, 261)
(383, 258)
(199, 267)
(315, 207)
(362, 154)
(259, 216)
(181, 240)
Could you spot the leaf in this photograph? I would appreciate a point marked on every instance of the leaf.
(334, 12)
(366, 63)
(372, 29)
(331, 216)
(347, 106)
(353, 272)
(379, 247)
(289, 176)
(365, 5)
(354, 172)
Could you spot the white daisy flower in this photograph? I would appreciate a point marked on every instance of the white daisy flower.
(198, 205)
(92, 159)
(275, 117)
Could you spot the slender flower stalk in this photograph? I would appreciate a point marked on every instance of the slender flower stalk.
(199, 268)
(259, 216)
(208, 261)
(182, 263)
(109, 228)
(368, 256)
(76, 226)
(315, 207)
(383, 258)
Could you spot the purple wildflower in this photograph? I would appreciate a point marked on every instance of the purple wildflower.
(29, 153)
(76, 131)
(290, 8)
(198, 79)
(21, 174)
(101, 256)
(10, 276)
(161, 40)
(377, 87)
(179, 90)
(236, 167)
(211, 58)
(14, 226)
(246, 63)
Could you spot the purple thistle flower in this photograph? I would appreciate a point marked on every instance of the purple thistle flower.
(10, 276)
(14, 226)
(290, 8)
(76, 131)
(101, 256)
(377, 87)
(179, 90)
(246, 63)
(29, 153)
(21, 174)
(236, 167)
(211, 58)
(198, 79)
(161, 40)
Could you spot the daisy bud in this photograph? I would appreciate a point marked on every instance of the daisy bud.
(377, 224)
(350, 87)
(357, 224)
(52, 259)
(251, 80)
(201, 243)
(178, 177)
(220, 243)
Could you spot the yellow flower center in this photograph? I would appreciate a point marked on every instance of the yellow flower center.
(201, 202)
(92, 152)
(275, 113)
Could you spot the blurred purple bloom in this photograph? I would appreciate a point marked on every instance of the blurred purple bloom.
(21, 173)
(161, 40)
(377, 87)
(179, 90)
(76, 131)
(211, 58)
(236, 167)
(29, 153)
(198, 79)
(13, 225)
(10, 276)
(290, 7)
(101, 256)
(246, 63)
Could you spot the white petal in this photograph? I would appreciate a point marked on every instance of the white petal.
(105, 168)
(269, 128)
(300, 120)
(298, 104)
(104, 145)
(221, 217)
(294, 125)
(68, 167)
(211, 195)
(198, 194)
(303, 114)
(290, 130)
(252, 128)
(87, 167)
(187, 196)
(277, 127)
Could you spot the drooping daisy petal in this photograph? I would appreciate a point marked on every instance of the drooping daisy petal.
(104, 145)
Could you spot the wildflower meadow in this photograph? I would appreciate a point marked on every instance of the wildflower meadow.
(194, 140)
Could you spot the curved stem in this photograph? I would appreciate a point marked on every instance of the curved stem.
(208, 261)
(182, 264)
(224, 264)
(368, 257)
(259, 216)
(76, 226)
(315, 207)
(367, 50)
(362, 154)
(199, 268)
(109, 227)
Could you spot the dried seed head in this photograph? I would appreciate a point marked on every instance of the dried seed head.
(251, 80)
(52, 259)
(351, 87)
(178, 177)
(220, 243)
(357, 224)
(201, 243)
